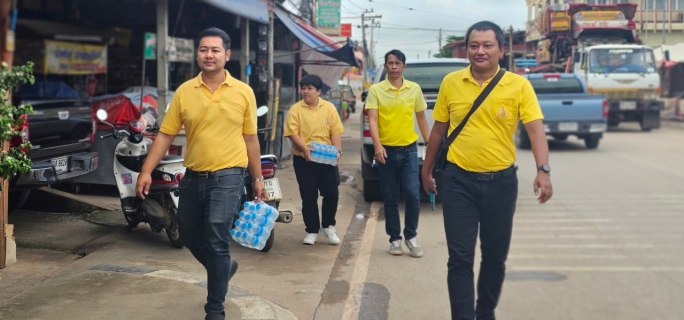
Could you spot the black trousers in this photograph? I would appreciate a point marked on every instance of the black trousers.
(470, 202)
(313, 177)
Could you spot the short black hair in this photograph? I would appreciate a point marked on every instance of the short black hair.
(400, 55)
(485, 26)
(215, 32)
(312, 80)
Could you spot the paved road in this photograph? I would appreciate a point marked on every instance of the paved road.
(607, 246)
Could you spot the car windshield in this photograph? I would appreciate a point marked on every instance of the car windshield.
(622, 60)
(556, 85)
(429, 75)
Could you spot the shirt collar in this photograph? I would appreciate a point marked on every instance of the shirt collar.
(227, 81)
(305, 105)
(404, 85)
(468, 75)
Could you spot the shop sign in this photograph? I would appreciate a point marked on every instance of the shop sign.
(74, 58)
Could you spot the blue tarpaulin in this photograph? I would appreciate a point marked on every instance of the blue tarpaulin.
(251, 9)
(46, 89)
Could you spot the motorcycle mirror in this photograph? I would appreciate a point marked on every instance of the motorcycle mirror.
(102, 114)
(262, 111)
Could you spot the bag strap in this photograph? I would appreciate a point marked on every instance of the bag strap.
(483, 95)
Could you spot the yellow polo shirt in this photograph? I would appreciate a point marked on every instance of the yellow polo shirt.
(486, 142)
(214, 122)
(313, 124)
(396, 111)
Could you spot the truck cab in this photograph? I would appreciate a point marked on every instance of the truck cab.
(626, 75)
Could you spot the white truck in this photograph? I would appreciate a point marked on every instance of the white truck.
(626, 75)
(428, 73)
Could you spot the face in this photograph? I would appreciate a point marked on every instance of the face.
(484, 51)
(394, 67)
(310, 94)
(211, 55)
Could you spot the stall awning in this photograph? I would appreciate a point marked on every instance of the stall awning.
(256, 10)
(341, 52)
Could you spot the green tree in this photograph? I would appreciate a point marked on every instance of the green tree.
(446, 53)
(15, 160)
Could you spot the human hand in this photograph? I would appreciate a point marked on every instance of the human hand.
(428, 182)
(339, 154)
(142, 187)
(307, 153)
(259, 191)
(542, 187)
(380, 154)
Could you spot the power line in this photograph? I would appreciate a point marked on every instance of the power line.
(398, 26)
(354, 4)
(416, 10)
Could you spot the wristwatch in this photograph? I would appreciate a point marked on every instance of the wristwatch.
(259, 179)
(545, 168)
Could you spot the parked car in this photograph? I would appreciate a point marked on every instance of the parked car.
(61, 133)
(348, 95)
(428, 73)
(568, 109)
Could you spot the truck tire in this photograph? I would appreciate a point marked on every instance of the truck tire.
(591, 142)
(522, 140)
(17, 199)
(371, 190)
(560, 137)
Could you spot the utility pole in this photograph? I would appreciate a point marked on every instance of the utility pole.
(510, 50)
(6, 54)
(369, 59)
(162, 58)
(664, 24)
(372, 43)
(440, 43)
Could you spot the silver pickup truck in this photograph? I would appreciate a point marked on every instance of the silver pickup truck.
(428, 73)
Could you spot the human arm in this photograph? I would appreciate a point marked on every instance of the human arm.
(254, 156)
(372, 108)
(301, 146)
(540, 149)
(336, 130)
(423, 126)
(531, 116)
(337, 142)
(160, 146)
(439, 129)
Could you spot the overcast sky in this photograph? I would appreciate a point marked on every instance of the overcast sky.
(399, 25)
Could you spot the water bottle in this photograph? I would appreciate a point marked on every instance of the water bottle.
(256, 230)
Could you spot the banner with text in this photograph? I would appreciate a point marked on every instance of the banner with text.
(329, 17)
(74, 58)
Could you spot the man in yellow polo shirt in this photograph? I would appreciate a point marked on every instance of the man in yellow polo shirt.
(219, 115)
(479, 186)
(391, 106)
(315, 120)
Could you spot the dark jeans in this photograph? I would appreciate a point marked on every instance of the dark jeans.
(313, 177)
(206, 210)
(469, 203)
(400, 168)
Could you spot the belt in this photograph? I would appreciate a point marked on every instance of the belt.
(484, 176)
(215, 174)
(399, 148)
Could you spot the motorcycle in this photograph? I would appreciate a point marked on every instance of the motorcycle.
(158, 209)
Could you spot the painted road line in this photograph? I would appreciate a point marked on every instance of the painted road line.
(588, 256)
(353, 304)
(598, 236)
(600, 220)
(590, 246)
(565, 228)
(599, 269)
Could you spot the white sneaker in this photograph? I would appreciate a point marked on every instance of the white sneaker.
(331, 234)
(311, 238)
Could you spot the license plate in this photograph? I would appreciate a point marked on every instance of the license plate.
(628, 105)
(568, 126)
(61, 164)
(273, 189)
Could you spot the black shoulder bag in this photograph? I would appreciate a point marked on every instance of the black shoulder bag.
(441, 160)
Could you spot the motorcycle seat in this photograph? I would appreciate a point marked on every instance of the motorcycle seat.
(171, 159)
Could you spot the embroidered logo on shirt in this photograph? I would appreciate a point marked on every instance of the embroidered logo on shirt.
(503, 113)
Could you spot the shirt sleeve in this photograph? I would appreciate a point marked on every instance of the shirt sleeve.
(336, 126)
(441, 111)
(173, 121)
(530, 109)
(372, 99)
(291, 123)
(421, 105)
(249, 125)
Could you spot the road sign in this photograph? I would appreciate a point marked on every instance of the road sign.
(150, 46)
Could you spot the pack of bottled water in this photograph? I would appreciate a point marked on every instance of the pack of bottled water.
(323, 153)
(254, 225)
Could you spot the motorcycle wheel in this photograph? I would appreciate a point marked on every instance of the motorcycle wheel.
(269, 241)
(132, 222)
(173, 235)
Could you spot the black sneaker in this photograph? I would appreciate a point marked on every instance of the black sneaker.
(216, 316)
(233, 267)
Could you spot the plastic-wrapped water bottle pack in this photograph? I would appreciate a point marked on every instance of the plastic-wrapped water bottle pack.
(254, 225)
(323, 153)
